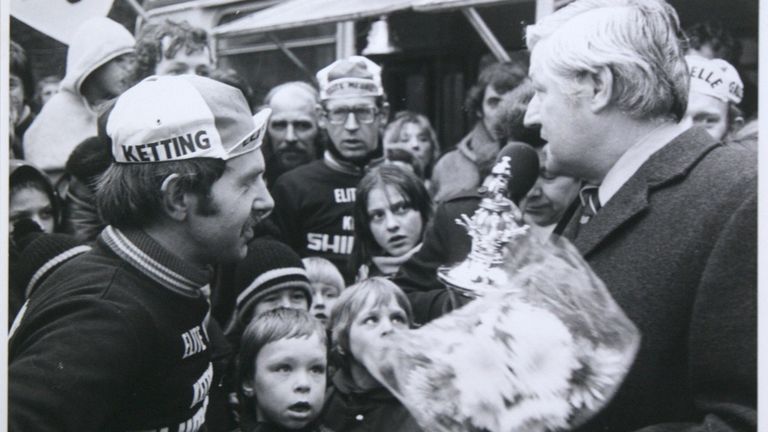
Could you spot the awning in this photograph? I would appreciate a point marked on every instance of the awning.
(300, 13)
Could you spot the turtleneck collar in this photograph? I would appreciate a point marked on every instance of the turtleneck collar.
(149, 257)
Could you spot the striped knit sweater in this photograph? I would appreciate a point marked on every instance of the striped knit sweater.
(114, 340)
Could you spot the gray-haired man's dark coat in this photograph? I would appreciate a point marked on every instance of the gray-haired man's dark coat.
(677, 248)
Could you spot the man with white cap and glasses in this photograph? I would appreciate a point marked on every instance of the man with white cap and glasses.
(313, 203)
(116, 339)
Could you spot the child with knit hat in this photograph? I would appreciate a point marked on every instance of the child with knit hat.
(270, 276)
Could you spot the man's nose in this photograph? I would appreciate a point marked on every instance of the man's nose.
(263, 204)
(532, 113)
(351, 122)
(290, 133)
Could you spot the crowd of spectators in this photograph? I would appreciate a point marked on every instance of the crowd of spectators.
(184, 257)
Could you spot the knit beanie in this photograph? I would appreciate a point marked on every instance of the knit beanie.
(269, 266)
(40, 254)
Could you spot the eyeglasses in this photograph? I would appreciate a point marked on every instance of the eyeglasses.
(364, 115)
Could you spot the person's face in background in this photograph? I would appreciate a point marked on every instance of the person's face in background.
(549, 197)
(31, 203)
(355, 136)
(324, 297)
(375, 321)
(490, 114)
(415, 140)
(113, 78)
(291, 298)
(709, 112)
(197, 62)
(16, 95)
(47, 91)
(395, 224)
(293, 127)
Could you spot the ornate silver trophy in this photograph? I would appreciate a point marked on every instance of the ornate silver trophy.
(495, 223)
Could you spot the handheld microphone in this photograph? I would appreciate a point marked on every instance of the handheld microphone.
(524, 167)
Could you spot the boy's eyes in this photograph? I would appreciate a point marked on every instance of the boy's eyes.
(282, 368)
(319, 369)
(270, 299)
(297, 295)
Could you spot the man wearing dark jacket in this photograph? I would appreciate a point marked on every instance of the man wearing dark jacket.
(118, 338)
(670, 226)
(313, 202)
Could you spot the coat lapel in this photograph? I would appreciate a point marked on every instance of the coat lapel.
(673, 161)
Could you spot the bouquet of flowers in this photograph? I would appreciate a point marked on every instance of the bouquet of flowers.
(543, 351)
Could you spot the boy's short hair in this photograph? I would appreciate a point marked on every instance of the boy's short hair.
(271, 326)
(321, 270)
(351, 302)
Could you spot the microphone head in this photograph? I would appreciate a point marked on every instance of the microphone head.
(524, 166)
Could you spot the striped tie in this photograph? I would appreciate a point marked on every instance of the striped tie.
(590, 203)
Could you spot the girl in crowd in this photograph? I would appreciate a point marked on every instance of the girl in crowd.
(391, 211)
(413, 133)
(356, 401)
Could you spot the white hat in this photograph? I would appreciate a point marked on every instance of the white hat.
(716, 78)
(353, 76)
(170, 118)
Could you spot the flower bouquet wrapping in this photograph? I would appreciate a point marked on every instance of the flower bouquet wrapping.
(546, 353)
(539, 344)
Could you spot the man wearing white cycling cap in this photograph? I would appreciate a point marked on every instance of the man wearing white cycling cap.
(117, 339)
(715, 93)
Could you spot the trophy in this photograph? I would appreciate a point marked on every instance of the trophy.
(495, 223)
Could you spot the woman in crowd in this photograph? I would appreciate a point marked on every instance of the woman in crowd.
(413, 133)
(391, 210)
(356, 401)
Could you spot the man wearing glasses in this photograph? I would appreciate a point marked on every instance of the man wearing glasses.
(313, 203)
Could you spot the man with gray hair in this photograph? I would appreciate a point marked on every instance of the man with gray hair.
(670, 225)
(117, 338)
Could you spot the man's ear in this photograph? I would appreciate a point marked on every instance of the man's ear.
(601, 89)
(247, 387)
(322, 121)
(175, 203)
